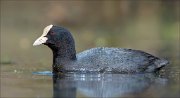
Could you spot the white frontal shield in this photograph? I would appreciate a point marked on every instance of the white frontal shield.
(42, 39)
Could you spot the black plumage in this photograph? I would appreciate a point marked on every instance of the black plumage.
(100, 59)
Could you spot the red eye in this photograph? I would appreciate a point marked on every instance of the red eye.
(52, 33)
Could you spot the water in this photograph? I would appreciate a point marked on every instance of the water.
(16, 83)
(104, 85)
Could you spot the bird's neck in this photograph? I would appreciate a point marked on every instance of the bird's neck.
(62, 56)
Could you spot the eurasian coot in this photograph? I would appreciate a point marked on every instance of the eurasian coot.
(100, 59)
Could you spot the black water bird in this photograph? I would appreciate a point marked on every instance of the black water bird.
(100, 59)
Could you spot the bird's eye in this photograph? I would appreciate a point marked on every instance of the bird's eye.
(52, 33)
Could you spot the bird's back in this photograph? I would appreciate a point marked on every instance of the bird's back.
(117, 60)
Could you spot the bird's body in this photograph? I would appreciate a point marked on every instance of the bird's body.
(118, 60)
(101, 59)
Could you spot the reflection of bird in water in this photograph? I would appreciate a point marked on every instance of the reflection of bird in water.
(102, 85)
(99, 59)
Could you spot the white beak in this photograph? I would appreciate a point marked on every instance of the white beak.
(43, 39)
(40, 41)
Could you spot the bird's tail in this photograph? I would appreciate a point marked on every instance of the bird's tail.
(157, 65)
(160, 63)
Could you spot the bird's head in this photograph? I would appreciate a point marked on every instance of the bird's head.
(55, 37)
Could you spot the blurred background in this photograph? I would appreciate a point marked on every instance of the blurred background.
(148, 25)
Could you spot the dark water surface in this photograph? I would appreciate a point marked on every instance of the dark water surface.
(16, 83)
(104, 85)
